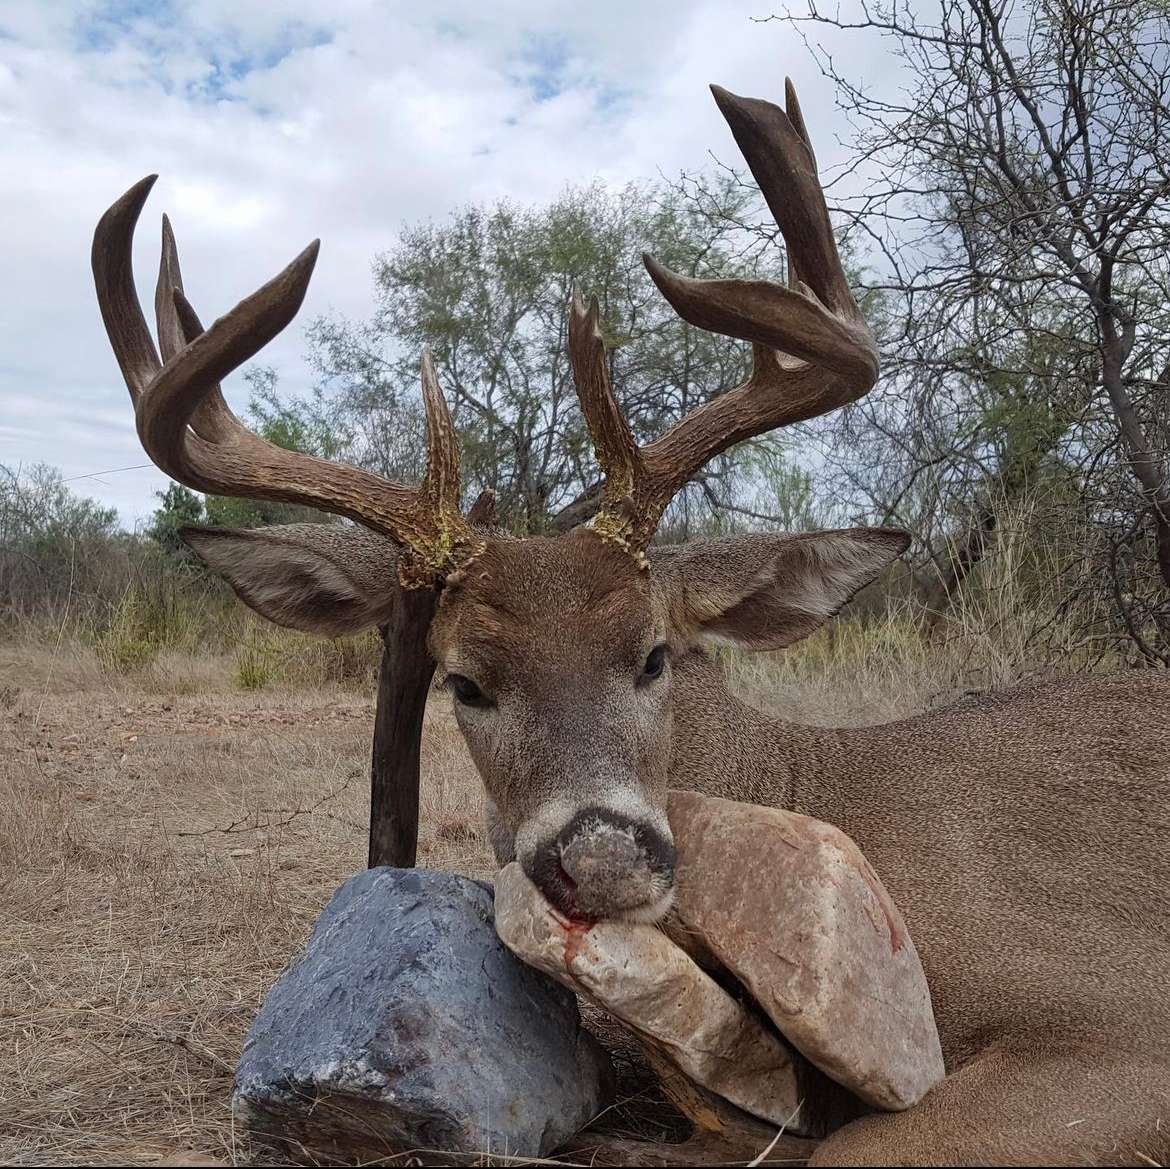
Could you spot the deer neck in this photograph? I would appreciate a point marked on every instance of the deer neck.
(723, 747)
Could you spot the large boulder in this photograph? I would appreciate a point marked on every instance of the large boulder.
(790, 906)
(642, 978)
(406, 1025)
(781, 907)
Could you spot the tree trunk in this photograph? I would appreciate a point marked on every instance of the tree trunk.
(964, 555)
(403, 682)
(1145, 465)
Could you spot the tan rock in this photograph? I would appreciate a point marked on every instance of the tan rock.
(791, 907)
(640, 976)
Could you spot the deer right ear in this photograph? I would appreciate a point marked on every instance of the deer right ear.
(330, 579)
(765, 592)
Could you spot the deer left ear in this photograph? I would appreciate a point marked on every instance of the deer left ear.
(763, 592)
(330, 579)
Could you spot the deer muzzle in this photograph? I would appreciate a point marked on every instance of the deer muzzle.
(606, 865)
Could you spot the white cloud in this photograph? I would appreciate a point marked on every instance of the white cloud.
(271, 124)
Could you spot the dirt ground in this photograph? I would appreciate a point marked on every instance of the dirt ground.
(162, 856)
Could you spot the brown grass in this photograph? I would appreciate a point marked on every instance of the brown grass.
(163, 856)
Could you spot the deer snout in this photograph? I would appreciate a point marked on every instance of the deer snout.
(604, 865)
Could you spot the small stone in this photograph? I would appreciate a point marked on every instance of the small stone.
(790, 906)
(640, 976)
(407, 1025)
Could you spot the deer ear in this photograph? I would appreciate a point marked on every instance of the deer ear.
(331, 579)
(765, 592)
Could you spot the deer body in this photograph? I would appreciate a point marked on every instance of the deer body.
(1021, 835)
(1054, 848)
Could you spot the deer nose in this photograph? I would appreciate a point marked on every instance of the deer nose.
(607, 863)
(604, 865)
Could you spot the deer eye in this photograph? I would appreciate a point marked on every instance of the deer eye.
(655, 664)
(467, 692)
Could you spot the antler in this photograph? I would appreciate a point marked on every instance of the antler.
(189, 431)
(812, 350)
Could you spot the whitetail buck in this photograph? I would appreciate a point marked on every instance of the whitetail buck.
(1023, 835)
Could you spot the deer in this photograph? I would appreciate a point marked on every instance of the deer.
(1022, 833)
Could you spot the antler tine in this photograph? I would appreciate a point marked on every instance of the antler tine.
(178, 325)
(441, 484)
(189, 431)
(114, 277)
(796, 117)
(449, 533)
(483, 510)
(172, 337)
(822, 325)
(617, 451)
(812, 350)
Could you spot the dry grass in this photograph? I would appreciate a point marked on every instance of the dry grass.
(164, 855)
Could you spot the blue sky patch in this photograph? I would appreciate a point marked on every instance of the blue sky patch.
(153, 27)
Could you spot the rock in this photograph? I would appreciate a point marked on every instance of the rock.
(790, 906)
(639, 975)
(406, 1025)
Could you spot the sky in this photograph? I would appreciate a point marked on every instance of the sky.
(271, 124)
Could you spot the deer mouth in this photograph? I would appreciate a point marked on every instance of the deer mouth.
(556, 883)
(564, 898)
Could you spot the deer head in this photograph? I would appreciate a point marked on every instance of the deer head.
(559, 653)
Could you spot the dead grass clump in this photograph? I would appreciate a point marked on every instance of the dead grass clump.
(457, 832)
(268, 656)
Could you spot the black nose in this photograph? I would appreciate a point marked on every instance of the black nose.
(602, 863)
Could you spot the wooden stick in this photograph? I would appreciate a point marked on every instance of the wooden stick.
(404, 680)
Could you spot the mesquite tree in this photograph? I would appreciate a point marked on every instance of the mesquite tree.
(1014, 193)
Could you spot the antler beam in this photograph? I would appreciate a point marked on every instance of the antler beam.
(189, 431)
(812, 349)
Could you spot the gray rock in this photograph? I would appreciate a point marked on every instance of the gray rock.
(407, 1025)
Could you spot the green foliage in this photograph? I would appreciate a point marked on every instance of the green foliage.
(163, 607)
(54, 544)
(785, 491)
(180, 506)
(267, 656)
(487, 290)
(39, 511)
(130, 641)
(310, 425)
(256, 664)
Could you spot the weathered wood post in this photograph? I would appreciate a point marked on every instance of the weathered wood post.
(404, 680)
